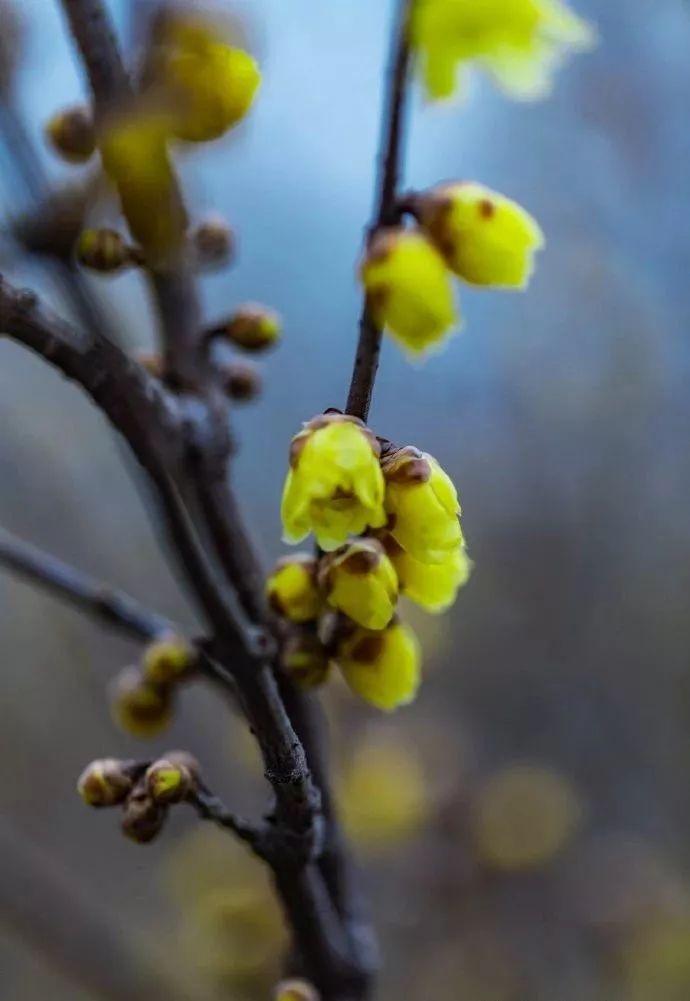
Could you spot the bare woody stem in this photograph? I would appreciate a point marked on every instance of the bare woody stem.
(386, 212)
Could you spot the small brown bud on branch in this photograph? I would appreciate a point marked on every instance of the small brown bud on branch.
(242, 381)
(295, 990)
(169, 781)
(105, 250)
(106, 782)
(213, 242)
(251, 327)
(72, 135)
(142, 818)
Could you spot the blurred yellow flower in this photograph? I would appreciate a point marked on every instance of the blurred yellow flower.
(291, 588)
(520, 43)
(167, 659)
(485, 238)
(409, 290)
(384, 794)
(422, 505)
(212, 87)
(334, 487)
(382, 667)
(432, 586)
(359, 580)
(524, 815)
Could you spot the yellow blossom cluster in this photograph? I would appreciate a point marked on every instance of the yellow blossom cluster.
(463, 229)
(403, 511)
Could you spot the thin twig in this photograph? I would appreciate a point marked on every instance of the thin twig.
(111, 606)
(386, 213)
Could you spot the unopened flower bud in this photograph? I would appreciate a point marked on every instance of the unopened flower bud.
(409, 288)
(242, 381)
(138, 706)
(72, 135)
(213, 241)
(168, 659)
(485, 238)
(295, 990)
(305, 660)
(142, 818)
(105, 782)
(185, 760)
(168, 781)
(360, 581)
(422, 505)
(382, 667)
(103, 250)
(251, 327)
(291, 588)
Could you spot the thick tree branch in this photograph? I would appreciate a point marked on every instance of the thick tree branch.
(386, 213)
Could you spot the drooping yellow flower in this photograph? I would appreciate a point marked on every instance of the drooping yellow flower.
(334, 487)
(208, 84)
(432, 586)
(519, 42)
(485, 238)
(359, 580)
(422, 505)
(382, 667)
(409, 290)
(291, 588)
(215, 89)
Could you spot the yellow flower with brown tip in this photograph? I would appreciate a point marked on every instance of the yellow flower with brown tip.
(422, 505)
(382, 667)
(432, 586)
(105, 782)
(291, 588)
(485, 238)
(138, 706)
(409, 290)
(334, 487)
(519, 43)
(359, 580)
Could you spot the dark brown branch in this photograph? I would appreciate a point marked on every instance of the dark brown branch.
(95, 37)
(110, 606)
(58, 918)
(386, 213)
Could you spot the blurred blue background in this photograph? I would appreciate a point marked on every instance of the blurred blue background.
(563, 415)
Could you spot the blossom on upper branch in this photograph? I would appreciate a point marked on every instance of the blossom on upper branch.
(518, 42)
(422, 505)
(409, 290)
(334, 487)
(485, 238)
(382, 667)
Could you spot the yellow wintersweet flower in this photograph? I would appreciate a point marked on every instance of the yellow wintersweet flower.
(291, 588)
(519, 42)
(334, 487)
(485, 238)
(359, 580)
(409, 290)
(382, 667)
(433, 586)
(214, 87)
(422, 505)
